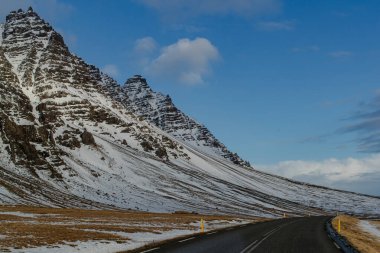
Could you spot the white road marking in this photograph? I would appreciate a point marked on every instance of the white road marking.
(253, 246)
(270, 232)
(188, 239)
(212, 233)
(265, 237)
(149, 250)
(248, 247)
(336, 245)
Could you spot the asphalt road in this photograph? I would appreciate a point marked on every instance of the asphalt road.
(306, 234)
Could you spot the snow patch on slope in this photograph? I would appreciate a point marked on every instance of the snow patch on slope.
(368, 227)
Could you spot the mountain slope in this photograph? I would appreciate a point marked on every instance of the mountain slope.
(160, 111)
(69, 137)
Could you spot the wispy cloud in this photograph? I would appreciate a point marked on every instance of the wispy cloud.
(170, 9)
(366, 124)
(361, 175)
(186, 61)
(340, 54)
(276, 25)
(145, 45)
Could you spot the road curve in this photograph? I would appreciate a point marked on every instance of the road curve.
(305, 234)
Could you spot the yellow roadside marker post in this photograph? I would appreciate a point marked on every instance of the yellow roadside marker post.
(338, 225)
(202, 226)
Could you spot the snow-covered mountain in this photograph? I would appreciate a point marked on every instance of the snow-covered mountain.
(72, 136)
(160, 111)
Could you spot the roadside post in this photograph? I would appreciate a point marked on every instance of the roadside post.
(339, 225)
(202, 226)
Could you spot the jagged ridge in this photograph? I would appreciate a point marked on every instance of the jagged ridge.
(160, 110)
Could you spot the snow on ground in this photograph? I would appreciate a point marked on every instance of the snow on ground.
(20, 214)
(370, 228)
(80, 230)
(82, 247)
(135, 240)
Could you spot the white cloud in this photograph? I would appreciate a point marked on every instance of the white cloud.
(361, 175)
(145, 45)
(340, 54)
(186, 61)
(111, 70)
(186, 8)
(50, 9)
(276, 25)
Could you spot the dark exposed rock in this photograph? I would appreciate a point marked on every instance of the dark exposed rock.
(161, 152)
(87, 138)
(146, 146)
(41, 107)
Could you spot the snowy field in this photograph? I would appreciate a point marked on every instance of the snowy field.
(32, 229)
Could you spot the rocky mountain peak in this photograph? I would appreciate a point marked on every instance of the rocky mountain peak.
(137, 86)
(161, 111)
(28, 24)
(24, 37)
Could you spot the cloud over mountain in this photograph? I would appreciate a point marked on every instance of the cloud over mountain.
(185, 61)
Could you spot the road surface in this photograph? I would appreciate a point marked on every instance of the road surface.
(306, 234)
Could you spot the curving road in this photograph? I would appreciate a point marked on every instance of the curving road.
(306, 234)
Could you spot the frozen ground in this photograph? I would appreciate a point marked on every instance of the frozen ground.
(19, 214)
(370, 228)
(29, 229)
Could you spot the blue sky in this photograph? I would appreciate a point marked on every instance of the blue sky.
(292, 86)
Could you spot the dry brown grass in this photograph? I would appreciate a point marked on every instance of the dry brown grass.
(376, 223)
(361, 240)
(51, 226)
